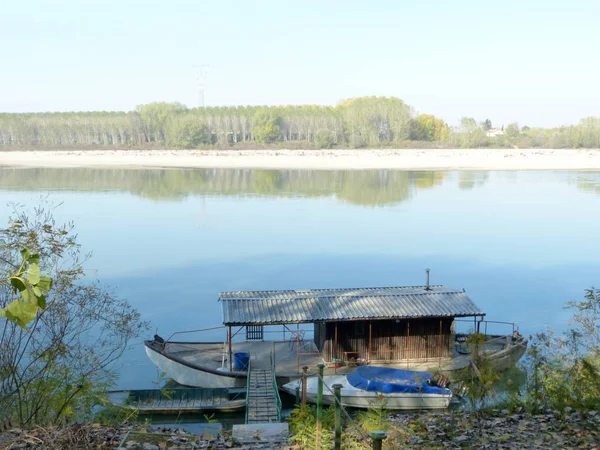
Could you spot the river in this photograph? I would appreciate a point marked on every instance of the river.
(520, 243)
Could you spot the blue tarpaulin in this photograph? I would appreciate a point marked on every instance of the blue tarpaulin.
(386, 380)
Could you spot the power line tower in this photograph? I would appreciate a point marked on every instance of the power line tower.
(201, 72)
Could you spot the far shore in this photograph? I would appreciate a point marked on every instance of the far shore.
(405, 159)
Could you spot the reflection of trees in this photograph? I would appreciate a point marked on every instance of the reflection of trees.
(588, 182)
(363, 187)
(471, 179)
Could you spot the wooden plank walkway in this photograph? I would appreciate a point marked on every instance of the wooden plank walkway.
(262, 400)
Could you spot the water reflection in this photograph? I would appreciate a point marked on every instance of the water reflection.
(472, 179)
(368, 187)
(588, 182)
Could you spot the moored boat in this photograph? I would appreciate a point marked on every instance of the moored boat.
(370, 386)
(406, 327)
(181, 400)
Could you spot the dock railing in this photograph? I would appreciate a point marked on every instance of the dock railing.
(275, 388)
(248, 389)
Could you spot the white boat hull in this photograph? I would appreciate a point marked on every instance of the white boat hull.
(195, 376)
(358, 398)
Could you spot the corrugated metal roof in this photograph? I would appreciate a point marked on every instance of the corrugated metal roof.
(314, 305)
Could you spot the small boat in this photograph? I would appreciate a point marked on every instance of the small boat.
(181, 400)
(369, 386)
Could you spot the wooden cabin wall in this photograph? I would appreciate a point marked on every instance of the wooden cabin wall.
(319, 335)
(390, 340)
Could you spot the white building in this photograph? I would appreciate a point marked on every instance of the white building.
(494, 132)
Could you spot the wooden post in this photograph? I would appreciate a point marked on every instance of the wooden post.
(441, 345)
(370, 341)
(407, 343)
(230, 350)
(378, 438)
(304, 381)
(335, 344)
(319, 406)
(338, 416)
(297, 353)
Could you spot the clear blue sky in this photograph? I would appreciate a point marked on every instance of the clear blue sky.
(531, 61)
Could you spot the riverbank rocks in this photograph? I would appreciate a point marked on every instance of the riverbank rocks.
(495, 430)
(418, 431)
(129, 437)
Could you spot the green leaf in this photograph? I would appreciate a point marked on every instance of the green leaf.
(25, 295)
(34, 259)
(21, 312)
(41, 301)
(36, 290)
(33, 273)
(45, 284)
(18, 283)
(25, 254)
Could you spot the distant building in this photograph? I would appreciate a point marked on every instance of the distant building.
(494, 132)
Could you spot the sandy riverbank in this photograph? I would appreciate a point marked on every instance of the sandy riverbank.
(460, 159)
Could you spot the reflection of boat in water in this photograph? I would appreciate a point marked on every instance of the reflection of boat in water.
(180, 400)
(368, 386)
(408, 327)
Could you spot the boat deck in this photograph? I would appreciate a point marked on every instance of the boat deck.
(289, 355)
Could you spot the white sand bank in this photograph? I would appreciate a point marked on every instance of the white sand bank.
(462, 159)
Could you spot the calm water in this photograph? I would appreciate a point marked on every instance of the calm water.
(520, 243)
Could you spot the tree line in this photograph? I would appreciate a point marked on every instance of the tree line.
(363, 122)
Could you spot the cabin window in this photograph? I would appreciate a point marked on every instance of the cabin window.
(254, 333)
(359, 329)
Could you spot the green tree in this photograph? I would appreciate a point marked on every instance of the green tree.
(469, 134)
(156, 116)
(266, 125)
(429, 128)
(512, 131)
(188, 132)
(487, 124)
(58, 369)
(325, 138)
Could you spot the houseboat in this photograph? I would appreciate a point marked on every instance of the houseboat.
(407, 327)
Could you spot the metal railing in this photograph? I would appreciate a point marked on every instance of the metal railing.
(485, 323)
(248, 389)
(278, 404)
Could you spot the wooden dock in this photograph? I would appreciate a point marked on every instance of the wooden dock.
(263, 404)
(262, 398)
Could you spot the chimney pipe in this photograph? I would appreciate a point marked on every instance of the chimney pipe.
(427, 288)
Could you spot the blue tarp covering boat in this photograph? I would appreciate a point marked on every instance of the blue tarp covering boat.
(387, 380)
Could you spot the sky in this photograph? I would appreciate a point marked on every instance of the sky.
(530, 61)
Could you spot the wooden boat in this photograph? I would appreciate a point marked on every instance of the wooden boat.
(181, 400)
(407, 327)
(369, 386)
